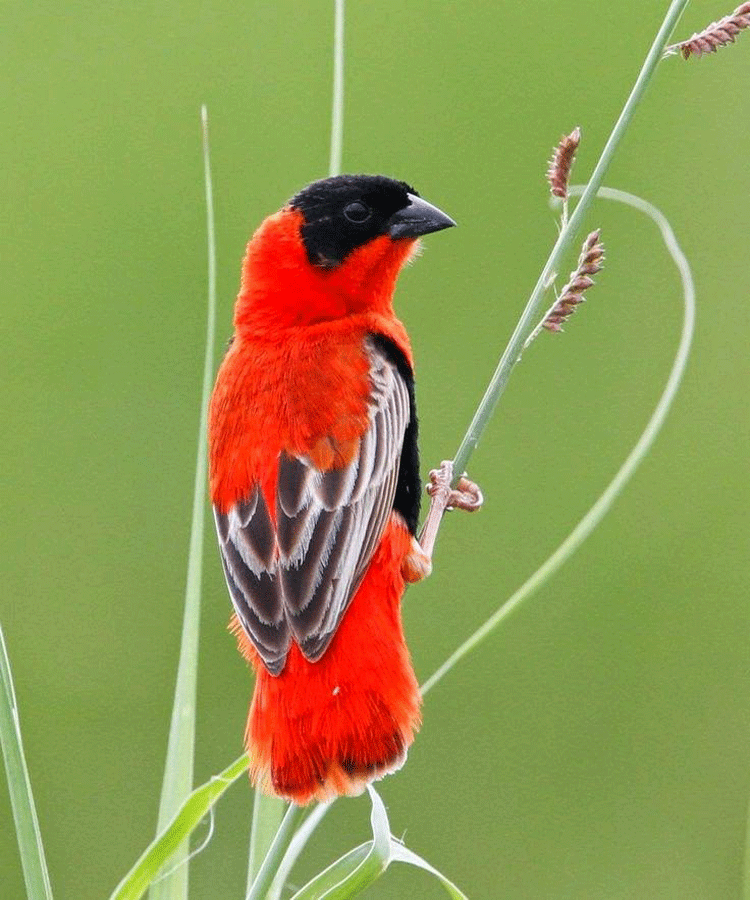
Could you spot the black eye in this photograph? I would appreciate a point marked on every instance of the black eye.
(357, 212)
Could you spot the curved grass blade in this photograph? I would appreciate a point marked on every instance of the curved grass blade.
(597, 512)
(358, 868)
(340, 875)
(400, 853)
(29, 837)
(193, 810)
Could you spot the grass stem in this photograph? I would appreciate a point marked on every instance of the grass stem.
(528, 319)
(276, 851)
(28, 835)
(337, 103)
(268, 813)
(597, 512)
(178, 771)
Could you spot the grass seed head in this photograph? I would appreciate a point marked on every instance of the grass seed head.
(558, 172)
(589, 263)
(718, 34)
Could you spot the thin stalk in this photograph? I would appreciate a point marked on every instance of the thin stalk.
(337, 104)
(528, 319)
(276, 851)
(296, 846)
(268, 813)
(178, 772)
(28, 835)
(597, 512)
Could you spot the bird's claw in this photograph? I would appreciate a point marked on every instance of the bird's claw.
(466, 495)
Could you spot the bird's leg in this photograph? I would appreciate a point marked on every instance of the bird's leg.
(466, 495)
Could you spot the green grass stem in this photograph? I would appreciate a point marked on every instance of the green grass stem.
(597, 512)
(295, 848)
(337, 102)
(268, 814)
(178, 770)
(530, 315)
(28, 835)
(268, 868)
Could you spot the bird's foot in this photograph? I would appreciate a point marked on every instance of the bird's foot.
(466, 495)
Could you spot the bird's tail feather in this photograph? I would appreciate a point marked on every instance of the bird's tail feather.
(328, 728)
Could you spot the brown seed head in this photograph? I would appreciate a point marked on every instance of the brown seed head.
(718, 34)
(589, 263)
(561, 163)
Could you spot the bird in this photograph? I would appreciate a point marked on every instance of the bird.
(315, 486)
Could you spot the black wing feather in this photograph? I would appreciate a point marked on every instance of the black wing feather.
(296, 580)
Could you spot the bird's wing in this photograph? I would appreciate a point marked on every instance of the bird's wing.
(297, 579)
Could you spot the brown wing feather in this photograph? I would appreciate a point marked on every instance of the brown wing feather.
(296, 581)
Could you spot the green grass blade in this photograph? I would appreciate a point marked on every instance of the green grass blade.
(163, 848)
(262, 882)
(597, 512)
(268, 813)
(295, 848)
(337, 103)
(178, 771)
(346, 877)
(400, 853)
(358, 868)
(28, 835)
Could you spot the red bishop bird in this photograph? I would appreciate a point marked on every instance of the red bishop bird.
(315, 485)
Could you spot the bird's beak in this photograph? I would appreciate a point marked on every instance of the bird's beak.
(418, 218)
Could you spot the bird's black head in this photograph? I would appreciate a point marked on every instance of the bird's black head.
(345, 212)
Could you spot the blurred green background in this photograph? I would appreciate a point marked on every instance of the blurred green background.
(597, 745)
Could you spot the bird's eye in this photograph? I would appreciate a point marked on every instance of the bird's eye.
(357, 212)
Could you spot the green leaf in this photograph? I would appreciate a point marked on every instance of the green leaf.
(178, 770)
(400, 853)
(358, 868)
(28, 835)
(344, 878)
(163, 848)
